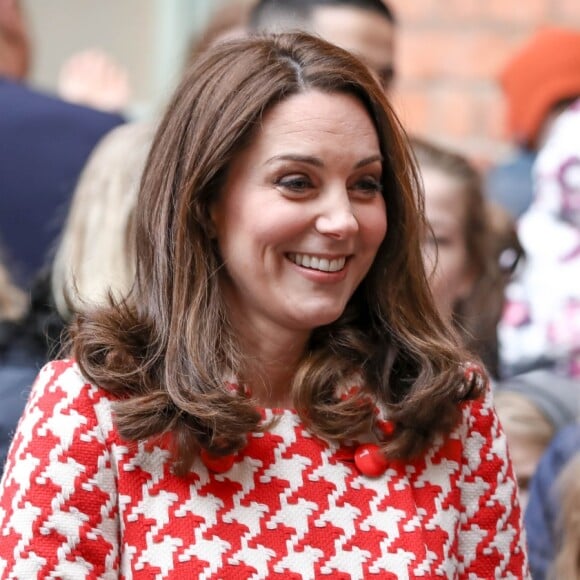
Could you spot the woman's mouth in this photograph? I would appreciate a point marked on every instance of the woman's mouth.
(320, 263)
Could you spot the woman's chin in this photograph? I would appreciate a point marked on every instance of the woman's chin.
(312, 319)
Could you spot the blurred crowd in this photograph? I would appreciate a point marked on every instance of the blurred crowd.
(501, 247)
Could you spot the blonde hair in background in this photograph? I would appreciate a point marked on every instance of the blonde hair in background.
(95, 256)
(567, 562)
(12, 299)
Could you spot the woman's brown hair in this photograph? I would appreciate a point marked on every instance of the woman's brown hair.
(167, 348)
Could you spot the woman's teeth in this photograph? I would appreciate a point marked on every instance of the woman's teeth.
(314, 263)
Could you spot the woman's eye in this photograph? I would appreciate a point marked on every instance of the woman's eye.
(368, 186)
(295, 183)
(436, 240)
(442, 241)
(430, 241)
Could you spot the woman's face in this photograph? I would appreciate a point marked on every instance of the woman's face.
(445, 253)
(301, 216)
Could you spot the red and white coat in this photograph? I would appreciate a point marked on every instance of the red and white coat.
(79, 502)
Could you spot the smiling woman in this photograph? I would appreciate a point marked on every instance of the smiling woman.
(321, 221)
(278, 395)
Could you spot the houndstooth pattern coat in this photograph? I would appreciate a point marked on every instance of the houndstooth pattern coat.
(79, 502)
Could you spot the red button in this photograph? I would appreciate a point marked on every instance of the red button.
(217, 463)
(370, 460)
(387, 427)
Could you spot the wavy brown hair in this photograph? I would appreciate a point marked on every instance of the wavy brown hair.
(166, 349)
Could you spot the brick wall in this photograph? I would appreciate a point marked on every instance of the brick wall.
(448, 55)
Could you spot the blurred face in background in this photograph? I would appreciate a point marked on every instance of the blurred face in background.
(445, 251)
(364, 33)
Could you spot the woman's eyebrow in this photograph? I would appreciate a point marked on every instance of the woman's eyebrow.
(309, 159)
(368, 161)
(315, 161)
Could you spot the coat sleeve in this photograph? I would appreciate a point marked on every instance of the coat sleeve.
(491, 537)
(58, 499)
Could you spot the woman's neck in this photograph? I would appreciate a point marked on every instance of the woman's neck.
(270, 352)
(271, 356)
(269, 368)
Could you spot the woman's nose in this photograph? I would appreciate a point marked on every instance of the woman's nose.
(337, 218)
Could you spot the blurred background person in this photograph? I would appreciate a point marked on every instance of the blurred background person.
(538, 82)
(552, 517)
(93, 78)
(471, 252)
(465, 248)
(364, 27)
(533, 410)
(44, 143)
(541, 324)
(540, 329)
(226, 22)
(94, 259)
